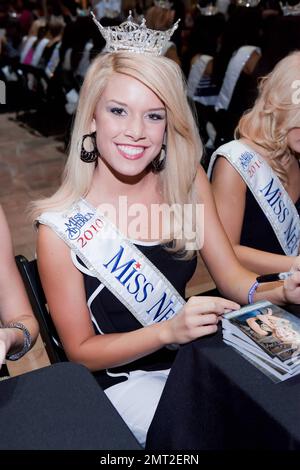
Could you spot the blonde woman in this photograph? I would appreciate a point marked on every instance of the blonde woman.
(115, 290)
(256, 183)
(18, 327)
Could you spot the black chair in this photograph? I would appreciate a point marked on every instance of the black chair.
(114, 434)
(30, 275)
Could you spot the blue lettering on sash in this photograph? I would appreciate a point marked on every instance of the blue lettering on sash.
(162, 313)
(145, 291)
(116, 266)
(140, 281)
(75, 224)
(291, 236)
(273, 198)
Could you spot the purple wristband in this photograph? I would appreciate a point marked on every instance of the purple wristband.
(252, 292)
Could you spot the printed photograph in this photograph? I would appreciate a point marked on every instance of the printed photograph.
(273, 329)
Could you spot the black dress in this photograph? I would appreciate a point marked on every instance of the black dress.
(111, 316)
(257, 231)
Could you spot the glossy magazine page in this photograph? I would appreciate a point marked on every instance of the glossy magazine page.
(267, 334)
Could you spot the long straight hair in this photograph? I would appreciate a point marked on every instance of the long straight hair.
(184, 148)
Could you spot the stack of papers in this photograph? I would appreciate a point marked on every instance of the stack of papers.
(268, 336)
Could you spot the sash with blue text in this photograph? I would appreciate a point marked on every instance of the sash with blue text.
(116, 262)
(267, 190)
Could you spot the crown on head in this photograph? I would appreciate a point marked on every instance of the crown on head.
(133, 37)
(290, 10)
(247, 3)
(165, 4)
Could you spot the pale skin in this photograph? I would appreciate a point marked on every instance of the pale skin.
(14, 304)
(230, 195)
(130, 121)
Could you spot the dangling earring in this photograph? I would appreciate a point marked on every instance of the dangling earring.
(92, 155)
(159, 162)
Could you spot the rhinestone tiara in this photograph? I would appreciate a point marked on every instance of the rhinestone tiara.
(133, 37)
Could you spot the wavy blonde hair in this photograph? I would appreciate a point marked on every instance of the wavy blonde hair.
(275, 112)
(184, 148)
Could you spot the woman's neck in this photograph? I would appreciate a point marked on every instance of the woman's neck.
(107, 186)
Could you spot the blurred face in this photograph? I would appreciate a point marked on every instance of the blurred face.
(293, 139)
(130, 121)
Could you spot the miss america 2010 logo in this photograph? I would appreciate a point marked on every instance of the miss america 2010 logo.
(75, 224)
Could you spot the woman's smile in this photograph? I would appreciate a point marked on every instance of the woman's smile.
(131, 152)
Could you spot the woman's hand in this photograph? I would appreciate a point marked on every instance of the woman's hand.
(291, 286)
(199, 317)
(6, 340)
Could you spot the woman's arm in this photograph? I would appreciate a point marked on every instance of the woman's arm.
(14, 304)
(229, 191)
(64, 288)
(231, 278)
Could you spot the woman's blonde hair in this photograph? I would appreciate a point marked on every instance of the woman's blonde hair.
(275, 112)
(184, 148)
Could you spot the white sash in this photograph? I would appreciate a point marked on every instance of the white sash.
(196, 78)
(267, 190)
(116, 262)
(53, 61)
(85, 60)
(38, 52)
(27, 44)
(167, 46)
(196, 73)
(233, 71)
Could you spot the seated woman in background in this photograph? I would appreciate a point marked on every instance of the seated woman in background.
(257, 183)
(19, 328)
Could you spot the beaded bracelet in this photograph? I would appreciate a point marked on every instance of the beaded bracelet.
(252, 292)
(26, 344)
